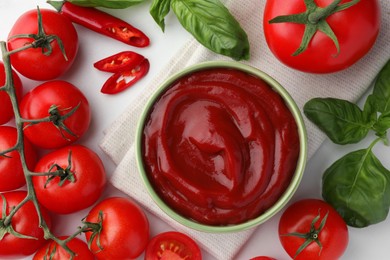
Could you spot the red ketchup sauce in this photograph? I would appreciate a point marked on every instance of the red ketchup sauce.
(220, 146)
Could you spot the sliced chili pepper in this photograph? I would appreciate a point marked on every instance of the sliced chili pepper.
(103, 23)
(119, 61)
(125, 78)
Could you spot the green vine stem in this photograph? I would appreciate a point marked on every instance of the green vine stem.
(41, 40)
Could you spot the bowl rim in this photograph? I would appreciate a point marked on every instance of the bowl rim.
(287, 194)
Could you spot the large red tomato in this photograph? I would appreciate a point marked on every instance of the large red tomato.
(6, 109)
(65, 97)
(356, 29)
(317, 223)
(53, 251)
(34, 64)
(80, 182)
(24, 222)
(11, 170)
(125, 229)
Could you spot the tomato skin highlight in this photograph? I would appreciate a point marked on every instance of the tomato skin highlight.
(89, 184)
(298, 218)
(36, 104)
(125, 231)
(172, 245)
(32, 63)
(11, 171)
(356, 29)
(6, 110)
(79, 247)
(26, 222)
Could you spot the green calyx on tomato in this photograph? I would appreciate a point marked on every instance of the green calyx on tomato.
(312, 235)
(58, 120)
(314, 19)
(5, 223)
(42, 40)
(96, 229)
(65, 174)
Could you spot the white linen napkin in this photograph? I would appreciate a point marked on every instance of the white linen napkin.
(349, 84)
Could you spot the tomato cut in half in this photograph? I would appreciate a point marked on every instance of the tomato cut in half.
(172, 245)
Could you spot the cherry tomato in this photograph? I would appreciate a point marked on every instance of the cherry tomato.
(56, 252)
(81, 181)
(356, 29)
(6, 109)
(66, 98)
(24, 222)
(34, 64)
(125, 229)
(317, 223)
(172, 245)
(11, 171)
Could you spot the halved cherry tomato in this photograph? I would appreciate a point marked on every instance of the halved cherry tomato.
(125, 78)
(172, 245)
(120, 61)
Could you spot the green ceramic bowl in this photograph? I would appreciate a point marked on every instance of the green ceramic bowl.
(283, 200)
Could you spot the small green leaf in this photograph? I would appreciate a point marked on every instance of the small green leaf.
(381, 90)
(357, 186)
(211, 24)
(158, 10)
(342, 121)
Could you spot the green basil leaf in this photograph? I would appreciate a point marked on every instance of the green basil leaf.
(85, 3)
(342, 121)
(382, 125)
(382, 89)
(112, 4)
(159, 9)
(358, 187)
(211, 24)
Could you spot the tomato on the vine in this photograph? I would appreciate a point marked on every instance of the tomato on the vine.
(25, 222)
(321, 40)
(313, 229)
(124, 231)
(48, 61)
(80, 181)
(53, 251)
(11, 170)
(172, 245)
(67, 107)
(6, 109)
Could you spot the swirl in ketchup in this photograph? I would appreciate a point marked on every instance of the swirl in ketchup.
(220, 146)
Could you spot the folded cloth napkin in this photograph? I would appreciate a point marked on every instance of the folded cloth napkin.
(349, 84)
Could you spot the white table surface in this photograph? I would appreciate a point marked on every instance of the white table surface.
(367, 243)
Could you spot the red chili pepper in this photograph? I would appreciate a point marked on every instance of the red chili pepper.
(125, 78)
(104, 23)
(119, 61)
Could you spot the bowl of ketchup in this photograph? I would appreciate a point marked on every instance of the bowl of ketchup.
(221, 146)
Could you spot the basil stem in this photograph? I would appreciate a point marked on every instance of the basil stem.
(211, 24)
(358, 187)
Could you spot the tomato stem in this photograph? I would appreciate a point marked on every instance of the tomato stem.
(314, 19)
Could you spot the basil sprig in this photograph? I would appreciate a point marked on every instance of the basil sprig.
(357, 185)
